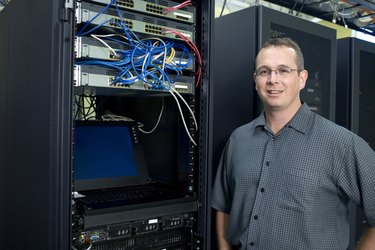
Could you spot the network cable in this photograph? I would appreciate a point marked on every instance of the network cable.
(151, 60)
(173, 92)
(113, 117)
(179, 6)
(85, 107)
(143, 51)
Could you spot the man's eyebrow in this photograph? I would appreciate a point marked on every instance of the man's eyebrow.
(283, 65)
(280, 65)
(263, 66)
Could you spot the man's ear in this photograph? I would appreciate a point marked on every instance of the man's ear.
(303, 75)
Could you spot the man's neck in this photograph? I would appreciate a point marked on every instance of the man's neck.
(277, 119)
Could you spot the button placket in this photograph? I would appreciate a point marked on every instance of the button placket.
(254, 224)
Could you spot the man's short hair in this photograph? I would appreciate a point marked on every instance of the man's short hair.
(289, 43)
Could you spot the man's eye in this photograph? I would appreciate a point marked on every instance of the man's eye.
(263, 72)
(283, 70)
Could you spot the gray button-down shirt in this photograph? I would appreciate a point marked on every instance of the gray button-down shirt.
(291, 190)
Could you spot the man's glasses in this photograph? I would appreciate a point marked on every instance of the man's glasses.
(282, 71)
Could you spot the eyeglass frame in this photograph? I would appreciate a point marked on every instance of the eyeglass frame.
(277, 72)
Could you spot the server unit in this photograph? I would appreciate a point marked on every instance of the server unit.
(356, 106)
(238, 37)
(57, 74)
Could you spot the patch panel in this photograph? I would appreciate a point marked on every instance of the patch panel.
(90, 48)
(144, 24)
(93, 76)
(116, 23)
(186, 14)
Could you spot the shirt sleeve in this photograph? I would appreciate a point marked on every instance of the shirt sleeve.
(222, 196)
(357, 177)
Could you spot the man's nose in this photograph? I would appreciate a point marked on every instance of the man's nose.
(273, 76)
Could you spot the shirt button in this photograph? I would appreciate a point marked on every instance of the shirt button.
(255, 217)
(267, 163)
(251, 243)
(262, 190)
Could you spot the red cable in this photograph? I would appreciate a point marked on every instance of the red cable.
(194, 48)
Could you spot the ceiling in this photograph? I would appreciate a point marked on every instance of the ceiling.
(354, 14)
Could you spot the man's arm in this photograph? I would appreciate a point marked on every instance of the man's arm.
(222, 221)
(367, 241)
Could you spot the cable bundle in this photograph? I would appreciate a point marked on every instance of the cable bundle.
(151, 60)
(4, 2)
(195, 49)
(179, 6)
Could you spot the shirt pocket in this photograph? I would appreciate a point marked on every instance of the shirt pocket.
(298, 189)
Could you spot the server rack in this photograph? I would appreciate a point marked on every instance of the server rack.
(238, 37)
(37, 51)
(355, 77)
(355, 107)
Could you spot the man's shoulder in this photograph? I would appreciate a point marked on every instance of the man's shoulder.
(324, 123)
(332, 129)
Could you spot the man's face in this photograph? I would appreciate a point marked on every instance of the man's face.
(279, 88)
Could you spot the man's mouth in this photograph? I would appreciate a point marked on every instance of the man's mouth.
(274, 92)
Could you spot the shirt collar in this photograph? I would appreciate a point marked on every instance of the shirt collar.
(301, 119)
(299, 122)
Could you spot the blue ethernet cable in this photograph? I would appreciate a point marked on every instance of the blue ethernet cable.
(87, 24)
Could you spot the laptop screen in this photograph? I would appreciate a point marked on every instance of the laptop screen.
(107, 154)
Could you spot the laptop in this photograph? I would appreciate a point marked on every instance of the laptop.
(110, 169)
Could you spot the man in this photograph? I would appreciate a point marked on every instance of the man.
(285, 179)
